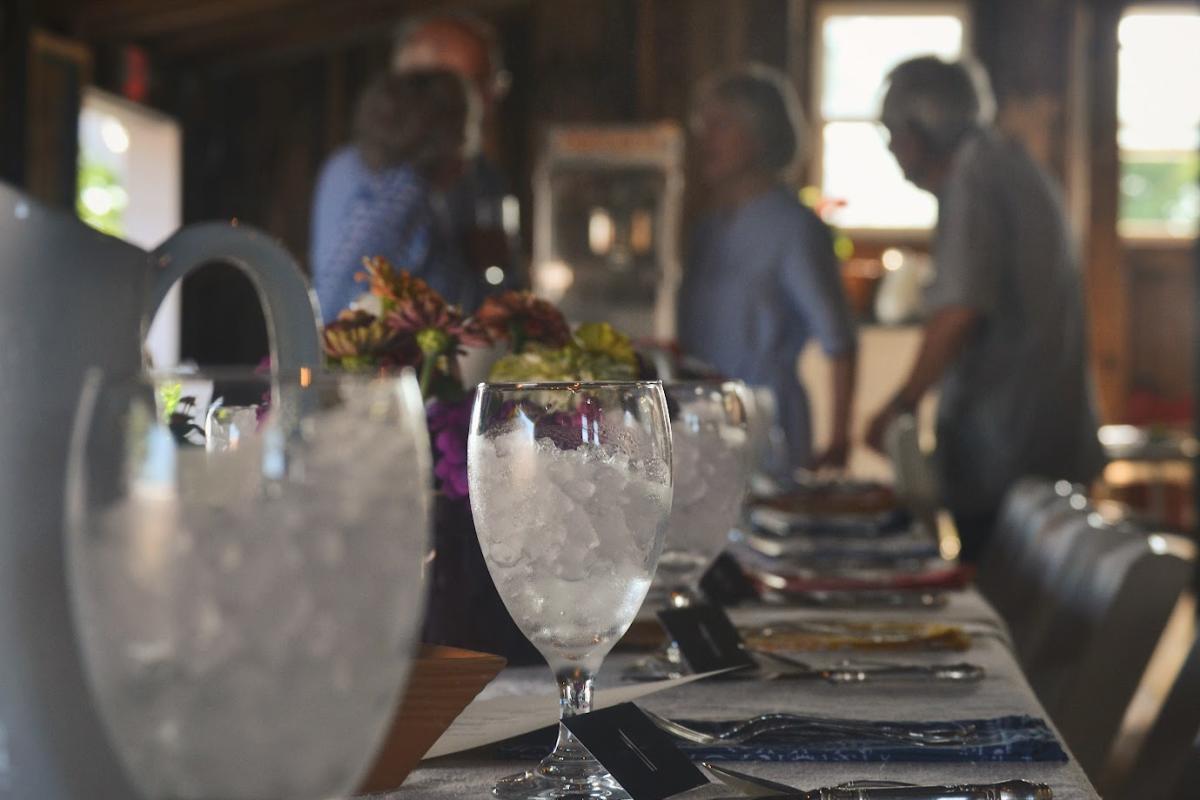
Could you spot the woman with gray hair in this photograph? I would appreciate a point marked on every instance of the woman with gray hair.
(1004, 333)
(409, 132)
(762, 277)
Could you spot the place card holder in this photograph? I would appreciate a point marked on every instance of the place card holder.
(706, 637)
(443, 682)
(726, 583)
(637, 753)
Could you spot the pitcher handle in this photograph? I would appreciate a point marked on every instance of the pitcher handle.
(289, 305)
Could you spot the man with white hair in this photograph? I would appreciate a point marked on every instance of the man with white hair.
(470, 211)
(1005, 326)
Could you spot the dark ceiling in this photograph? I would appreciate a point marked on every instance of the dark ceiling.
(216, 31)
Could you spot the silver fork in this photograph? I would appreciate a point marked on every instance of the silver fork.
(861, 670)
(769, 723)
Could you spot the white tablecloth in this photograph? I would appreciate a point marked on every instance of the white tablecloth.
(1003, 691)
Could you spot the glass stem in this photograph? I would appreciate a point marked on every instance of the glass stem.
(574, 697)
(574, 691)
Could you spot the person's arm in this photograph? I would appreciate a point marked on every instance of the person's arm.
(945, 334)
(843, 373)
(813, 280)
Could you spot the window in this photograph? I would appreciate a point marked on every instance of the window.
(1158, 122)
(128, 185)
(858, 44)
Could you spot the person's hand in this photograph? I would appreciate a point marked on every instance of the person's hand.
(878, 426)
(834, 457)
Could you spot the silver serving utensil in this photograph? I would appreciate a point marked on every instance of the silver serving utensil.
(851, 673)
(903, 599)
(750, 786)
(748, 729)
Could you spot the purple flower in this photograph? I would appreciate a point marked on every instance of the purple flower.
(448, 427)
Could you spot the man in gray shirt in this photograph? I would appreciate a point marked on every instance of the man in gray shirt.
(1005, 331)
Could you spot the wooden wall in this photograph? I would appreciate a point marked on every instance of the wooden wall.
(257, 131)
(1163, 321)
(265, 90)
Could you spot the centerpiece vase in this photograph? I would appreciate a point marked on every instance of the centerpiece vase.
(463, 608)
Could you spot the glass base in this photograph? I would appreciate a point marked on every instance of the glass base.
(569, 773)
(533, 785)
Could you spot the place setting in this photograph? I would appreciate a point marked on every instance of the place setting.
(546, 434)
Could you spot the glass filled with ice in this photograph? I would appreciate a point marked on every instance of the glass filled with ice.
(570, 489)
(709, 441)
(248, 606)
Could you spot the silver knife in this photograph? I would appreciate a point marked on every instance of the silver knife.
(750, 786)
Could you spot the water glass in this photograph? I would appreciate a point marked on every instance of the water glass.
(571, 490)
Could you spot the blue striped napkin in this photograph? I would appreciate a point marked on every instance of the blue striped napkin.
(1010, 738)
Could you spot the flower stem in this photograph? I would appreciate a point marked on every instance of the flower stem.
(426, 377)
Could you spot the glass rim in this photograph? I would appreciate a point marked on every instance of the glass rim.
(689, 382)
(563, 385)
(245, 373)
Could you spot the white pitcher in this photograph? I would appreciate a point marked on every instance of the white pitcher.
(70, 298)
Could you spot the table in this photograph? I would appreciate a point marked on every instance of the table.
(1003, 691)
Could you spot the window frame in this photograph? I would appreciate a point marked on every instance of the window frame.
(880, 8)
(1141, 233)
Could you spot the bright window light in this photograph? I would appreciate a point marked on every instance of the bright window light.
(1158, 112)
(114, 135)
(859, 45)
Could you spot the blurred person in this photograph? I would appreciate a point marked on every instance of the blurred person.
(410, 134)
(469, 212)
(761, 277)
(1005, 332)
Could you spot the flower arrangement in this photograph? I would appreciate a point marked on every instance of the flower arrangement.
(402, 322)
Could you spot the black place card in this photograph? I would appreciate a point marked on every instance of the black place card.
(640, 756)
(726, 583)
(706, 638)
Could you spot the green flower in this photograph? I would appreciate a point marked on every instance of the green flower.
(596, 352)
(433, 341)
(605, 353)
(169, 395)
(536, 363)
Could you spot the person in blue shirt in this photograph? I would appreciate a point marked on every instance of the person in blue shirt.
(468, 212)
(761, 275)
(410, 132)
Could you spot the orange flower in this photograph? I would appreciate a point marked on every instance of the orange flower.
(390, 285)
(520, 317)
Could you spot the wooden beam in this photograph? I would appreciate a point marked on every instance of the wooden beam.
(1105, 277)
(59, 69)
(305, 28)
(137, 20)
(647, 64)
